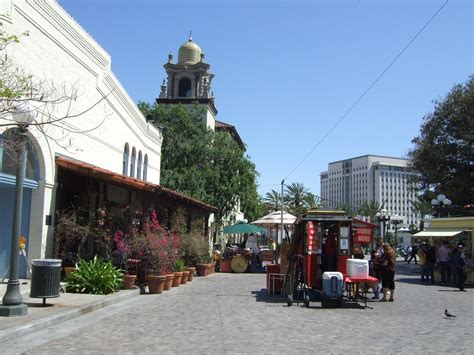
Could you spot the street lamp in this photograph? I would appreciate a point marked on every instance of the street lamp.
(384, 217)
(441, 202)
(12, 302)
(396, 220)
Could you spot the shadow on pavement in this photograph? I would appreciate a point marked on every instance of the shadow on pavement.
(263, 296)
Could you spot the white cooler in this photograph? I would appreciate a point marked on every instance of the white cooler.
(357, 267)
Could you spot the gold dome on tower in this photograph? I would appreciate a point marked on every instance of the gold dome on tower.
(189, 53)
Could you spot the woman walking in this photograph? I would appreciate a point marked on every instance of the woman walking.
(387, 263)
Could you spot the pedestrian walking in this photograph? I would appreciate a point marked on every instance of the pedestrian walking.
(443, 253)
(413, 253)
(459, 266)
(427, 272)
(374, 270)
(387, 263)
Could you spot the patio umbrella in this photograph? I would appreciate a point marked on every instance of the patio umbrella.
(274, 218)
(240, 228)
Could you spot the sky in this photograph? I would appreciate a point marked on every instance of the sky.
(287, 72)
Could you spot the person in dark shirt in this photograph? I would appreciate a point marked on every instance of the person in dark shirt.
(459, 266)
(414, 251)
(427, 274)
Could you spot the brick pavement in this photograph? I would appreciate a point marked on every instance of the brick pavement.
(231, 313)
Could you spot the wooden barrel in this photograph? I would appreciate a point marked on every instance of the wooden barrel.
(239, 264)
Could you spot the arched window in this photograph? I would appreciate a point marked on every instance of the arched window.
(184, 88)
(9, 155)
(125, 160)
(145, 167)
(132, 162)
(139, 165)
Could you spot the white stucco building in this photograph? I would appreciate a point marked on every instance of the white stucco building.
(386, 180)
(105, 148)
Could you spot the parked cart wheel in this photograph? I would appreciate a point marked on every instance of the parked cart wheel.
(306, 301)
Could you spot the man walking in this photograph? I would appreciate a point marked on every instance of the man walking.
(428, 265)
(459, 264)
(443, 252)
(414, 251)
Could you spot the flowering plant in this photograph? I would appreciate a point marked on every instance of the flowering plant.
(159, 245)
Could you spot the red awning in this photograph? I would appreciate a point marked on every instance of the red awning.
(95, 172)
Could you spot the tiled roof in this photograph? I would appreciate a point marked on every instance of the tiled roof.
(232, 130)
(93, 171)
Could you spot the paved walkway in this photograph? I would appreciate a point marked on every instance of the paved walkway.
(231, 313)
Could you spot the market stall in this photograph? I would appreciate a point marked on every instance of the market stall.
(454, 237)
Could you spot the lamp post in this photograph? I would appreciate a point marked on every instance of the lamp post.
(441, 202)
(384, 217)
(12, 302)
(396, 220)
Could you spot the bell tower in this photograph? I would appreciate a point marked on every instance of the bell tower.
(189, 81)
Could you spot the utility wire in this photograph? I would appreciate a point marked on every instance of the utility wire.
(369, 88)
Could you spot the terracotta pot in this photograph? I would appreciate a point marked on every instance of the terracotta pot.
(191, 270)
(69, 269)
(169, 281)
(225, 265)
(184, 278)
(156, 283)
(212, 268)
(177, 278)
(129, 281)
(201, 269)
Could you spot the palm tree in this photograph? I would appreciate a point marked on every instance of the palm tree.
(346, 208)
(272, 201)
(420, 208)
(370, 209)
(295, 197)
(311, 201)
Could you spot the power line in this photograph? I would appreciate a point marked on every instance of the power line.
(369, 88)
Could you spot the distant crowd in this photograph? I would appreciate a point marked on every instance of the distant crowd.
(451, 262)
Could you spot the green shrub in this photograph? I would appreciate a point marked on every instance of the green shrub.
(96, 277)
(180, 265)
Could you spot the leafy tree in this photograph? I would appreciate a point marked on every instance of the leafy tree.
(370, 209)
(53, 103)
(209, 166)
(443, 151)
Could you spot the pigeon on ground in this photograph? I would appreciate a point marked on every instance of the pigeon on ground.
(449, 315)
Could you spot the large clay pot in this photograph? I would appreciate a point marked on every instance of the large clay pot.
(184, 278)
(169, 281)
(201, 269)
(191, 270)
(156, 283)
(177, 278)
(225, 265)
(212, 268)
(129, 281)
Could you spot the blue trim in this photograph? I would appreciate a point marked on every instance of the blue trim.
(11, 180)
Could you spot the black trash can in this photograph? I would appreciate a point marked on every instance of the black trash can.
(45, 278)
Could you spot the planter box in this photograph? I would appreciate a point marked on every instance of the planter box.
(225, 265)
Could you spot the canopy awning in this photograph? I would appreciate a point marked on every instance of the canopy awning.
(274, 218)
(86, 169)
(438, 233)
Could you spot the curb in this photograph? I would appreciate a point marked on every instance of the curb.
(54, 319)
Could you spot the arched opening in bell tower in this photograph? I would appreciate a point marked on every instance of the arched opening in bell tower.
(184, 88)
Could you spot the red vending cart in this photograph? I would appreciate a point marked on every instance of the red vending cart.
(322, 241)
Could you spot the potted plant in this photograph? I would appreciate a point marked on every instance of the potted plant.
(129, 281)
(181, 267)
(154, 242)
